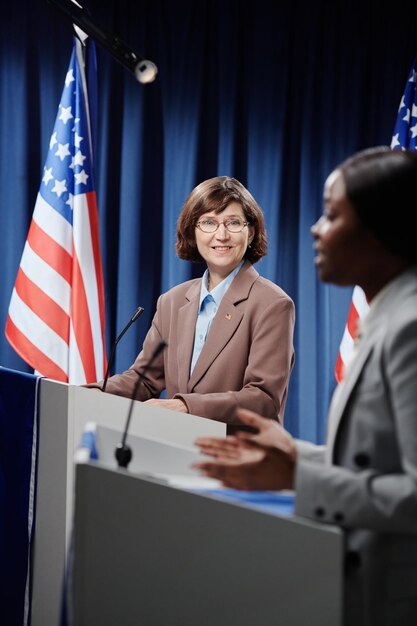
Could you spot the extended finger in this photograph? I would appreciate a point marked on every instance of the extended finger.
(219, 441)
(230, 477)
(216, 447)
(251, 418)
(218, 469)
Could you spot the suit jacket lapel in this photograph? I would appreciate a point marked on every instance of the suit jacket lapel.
(225, 322)
(187, 316)
(341, 396)
(224, 325)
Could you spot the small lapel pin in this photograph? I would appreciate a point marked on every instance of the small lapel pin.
(228, 316)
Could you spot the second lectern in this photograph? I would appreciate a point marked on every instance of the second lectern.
(146, 552)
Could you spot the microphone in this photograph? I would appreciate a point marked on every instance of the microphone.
(134, 317)
(123, 453)
(144, 70)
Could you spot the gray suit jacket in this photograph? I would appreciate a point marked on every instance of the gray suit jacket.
(365, 479)
(246, 360)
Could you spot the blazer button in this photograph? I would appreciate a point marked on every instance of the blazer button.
(361, 459)
(338, 517)
(319, 511)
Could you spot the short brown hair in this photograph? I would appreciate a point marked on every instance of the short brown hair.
(214, 195)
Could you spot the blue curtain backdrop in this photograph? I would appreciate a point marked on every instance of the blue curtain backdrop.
(273, 93)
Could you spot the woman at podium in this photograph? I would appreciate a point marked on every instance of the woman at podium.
(229, 334)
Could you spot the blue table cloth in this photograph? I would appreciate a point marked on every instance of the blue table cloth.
(277, 503)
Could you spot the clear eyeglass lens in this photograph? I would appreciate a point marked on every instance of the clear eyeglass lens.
(210, 226)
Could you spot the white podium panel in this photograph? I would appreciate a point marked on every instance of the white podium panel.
(149, 455)
(64, 412)
(152, 554)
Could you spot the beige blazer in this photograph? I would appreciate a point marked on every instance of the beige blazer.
(245, 362)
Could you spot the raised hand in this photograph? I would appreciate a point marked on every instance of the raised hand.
(261, 461)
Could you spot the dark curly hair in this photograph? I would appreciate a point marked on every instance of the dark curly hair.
(214, 195)
(381, 186)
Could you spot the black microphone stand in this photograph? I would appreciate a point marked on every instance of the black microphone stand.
(123, 452)
(134, 317)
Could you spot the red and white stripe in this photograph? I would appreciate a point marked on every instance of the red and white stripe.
(56, 314)
(358, 309)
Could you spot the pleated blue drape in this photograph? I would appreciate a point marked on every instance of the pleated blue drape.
(273, 93)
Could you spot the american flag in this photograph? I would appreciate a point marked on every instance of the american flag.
(56, 314)
(405, 131)
(404, 137)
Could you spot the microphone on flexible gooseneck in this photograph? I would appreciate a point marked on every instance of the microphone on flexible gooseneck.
(123, 453)
(134, 317)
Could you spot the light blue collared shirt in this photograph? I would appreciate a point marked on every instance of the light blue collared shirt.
(209, 303)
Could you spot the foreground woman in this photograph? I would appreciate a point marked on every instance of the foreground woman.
(365, 478)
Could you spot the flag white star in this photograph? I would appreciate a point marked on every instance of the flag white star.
(62, 151)
(47, 175)
(395, 141)
(79, 158)
(69, 78)
(81, 178)
(77, 140)
(53, 141)
(414, 111)
(413, 131)
(65, 114)
(402, 104)
(60, 187)
(406, 117)
(70, 201)
(413, 76)
(76, 120)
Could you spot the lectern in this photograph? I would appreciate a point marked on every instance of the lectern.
(146, 552)
(64, 411)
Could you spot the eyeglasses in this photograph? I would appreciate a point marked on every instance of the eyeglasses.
(233, 225)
